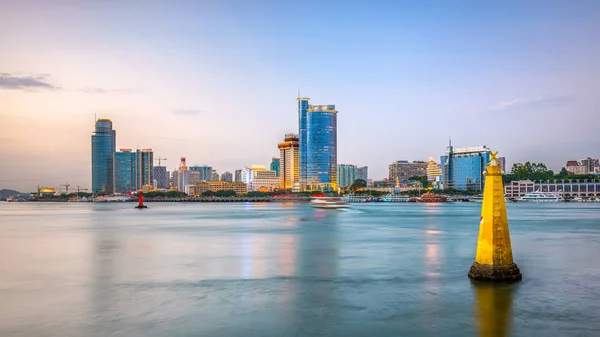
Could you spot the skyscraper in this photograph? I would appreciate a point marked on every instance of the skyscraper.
(463, 168)
(104, 142)
(227, 176)
(126, 171)
(237, 176)
(161, 177)
(363, 173)
(346, 174)
(289, 166)
(302, 139)
(182, 175)
(318, 145)
(275, 164)
(145, 164)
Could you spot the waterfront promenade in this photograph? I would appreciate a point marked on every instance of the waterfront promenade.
(286, 269)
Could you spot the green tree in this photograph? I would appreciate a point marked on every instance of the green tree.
(358, 184)
(422, 179)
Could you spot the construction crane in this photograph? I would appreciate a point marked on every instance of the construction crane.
(66, 185)
(159, 160)
(80, 189)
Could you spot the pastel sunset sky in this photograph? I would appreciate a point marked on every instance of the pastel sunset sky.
(217, 81)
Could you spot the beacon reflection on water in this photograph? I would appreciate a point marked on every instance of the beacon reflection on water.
(493, 308)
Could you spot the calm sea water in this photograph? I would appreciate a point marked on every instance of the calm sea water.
(284, 269)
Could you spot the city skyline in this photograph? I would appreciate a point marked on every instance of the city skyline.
(406, 78)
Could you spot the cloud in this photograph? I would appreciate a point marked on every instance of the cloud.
(187, 112)
(29, 83)
(103, 91)
(535, 103)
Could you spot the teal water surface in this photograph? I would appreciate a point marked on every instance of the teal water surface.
(285, 269)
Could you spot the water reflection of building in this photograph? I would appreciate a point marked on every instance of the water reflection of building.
(493, 309)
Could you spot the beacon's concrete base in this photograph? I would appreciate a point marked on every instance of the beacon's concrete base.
(483, 272)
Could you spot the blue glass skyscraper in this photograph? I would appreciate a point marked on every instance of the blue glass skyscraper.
(318, 146)
(462, 169)
(104, 142)
(126, 171)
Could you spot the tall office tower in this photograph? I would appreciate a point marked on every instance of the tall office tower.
(104, 141)
(145, 163)
(227, 176)
(182, 175)
(161, 177)
(346, 175)
(288, 162)
(126, 171)
(463, 168)
(318, 146)
(302, 138)
(214, 176)
(237, 176)
(363, 173)
(194, 178)
(275, 164)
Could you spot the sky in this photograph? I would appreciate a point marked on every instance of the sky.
(217, 81)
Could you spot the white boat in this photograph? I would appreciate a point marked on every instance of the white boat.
(541, 197)
(356, 198)
(477, 198)
(329, 202)
(392, 197)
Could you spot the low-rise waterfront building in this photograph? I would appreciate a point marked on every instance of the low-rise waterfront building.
(258, 178)
(215, 186)
(564, 188)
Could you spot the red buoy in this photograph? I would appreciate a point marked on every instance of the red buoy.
(141, 201)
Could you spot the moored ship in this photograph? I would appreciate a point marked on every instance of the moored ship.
(541, 197)
(430, 197)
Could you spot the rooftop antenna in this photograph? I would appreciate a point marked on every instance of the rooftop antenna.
(298, 93)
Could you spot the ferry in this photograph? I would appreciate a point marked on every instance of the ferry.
(541, 197)
(329, 202)
(356, 198)
(395, 198)
(430, 197)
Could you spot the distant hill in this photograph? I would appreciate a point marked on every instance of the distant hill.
(5, 193)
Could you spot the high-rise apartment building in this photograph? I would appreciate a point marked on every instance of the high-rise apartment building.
(194, 178)
(182, 175)
(288, 162)
(275, 165)
(318, 145)
(403, 170)
(463, 168)
(346, 175)
(237, 176)
(104, 141)
(363, 173)
(227, 176)
(161, 177)
(126, 171)
(205, 172)
(434, 170)
(145, 164)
